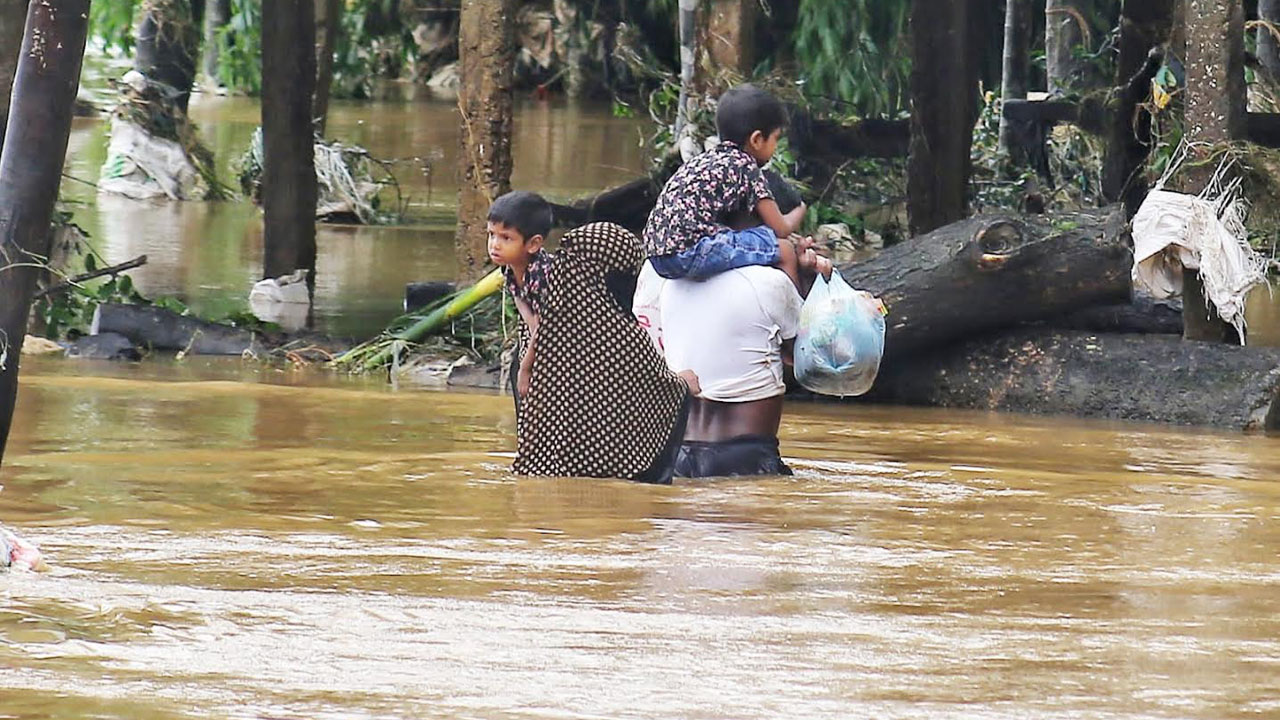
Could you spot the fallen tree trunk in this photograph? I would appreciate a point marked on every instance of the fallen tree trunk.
(991, 272)
(627, 205)
(1145, 315)
(1153, 378)
(160, 329)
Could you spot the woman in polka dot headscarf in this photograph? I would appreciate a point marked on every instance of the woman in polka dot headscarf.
(601, 400)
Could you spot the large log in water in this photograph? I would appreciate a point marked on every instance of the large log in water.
(991, 272)
(1154, 378)
(160, 329)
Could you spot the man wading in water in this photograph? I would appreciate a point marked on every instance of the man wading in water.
(733, 331)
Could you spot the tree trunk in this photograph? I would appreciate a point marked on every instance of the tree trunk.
(35, 146)
(688, 25)
(944, 108)
(1062, 35)
(729, 42)
(216, 16)
(1145, 25)
(13, 18)
(1149, 378)
(328, 16)
(167, 43)
(1215, 114)
(991, 272)
(1016, 62)
(153, 327)
(1268, 46)
(485, 100)
(289, 173)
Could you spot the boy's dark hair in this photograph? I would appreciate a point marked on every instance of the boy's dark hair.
(744, 109)
(527, 212)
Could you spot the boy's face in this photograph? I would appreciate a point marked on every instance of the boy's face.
(508, 247)
(761, 146)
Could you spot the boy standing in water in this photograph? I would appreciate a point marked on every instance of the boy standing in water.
(687, 235)
(518, 225)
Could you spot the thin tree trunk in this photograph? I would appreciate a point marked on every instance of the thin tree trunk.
(216, 16)
(729, 42)
(944, 108)
(1215, 114)
(688, 24)
(1268, 46)
(1062, 35)
(13, 18)
(35, 146)
(485, 100)
(289, 174)
(328, 15)
(168, 41)
(1016, 63)
(1144, 26)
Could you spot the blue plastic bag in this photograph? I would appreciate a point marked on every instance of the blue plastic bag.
(841, 339)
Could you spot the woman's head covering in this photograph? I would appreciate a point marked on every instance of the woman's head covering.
(602, 402)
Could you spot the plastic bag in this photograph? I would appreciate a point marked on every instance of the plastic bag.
(841, 339)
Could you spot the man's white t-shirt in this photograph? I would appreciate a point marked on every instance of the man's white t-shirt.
(727, 329)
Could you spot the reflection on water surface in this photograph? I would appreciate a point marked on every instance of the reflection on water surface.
(209, 254)
(242, 542)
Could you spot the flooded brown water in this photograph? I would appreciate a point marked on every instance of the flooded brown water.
(210, 254)
(231, 541)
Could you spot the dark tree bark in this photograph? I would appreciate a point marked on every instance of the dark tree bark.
(485, 102)
(1145, 26)
(13, 18)
(328, 15)
(991, 272)
(289, 173)
(168, 41)
(944, 108)
(729, 40)
(1268, 46)
(1016, 62)
(1215, 114)
(35, 145)
(1151, 378)
(217, 14)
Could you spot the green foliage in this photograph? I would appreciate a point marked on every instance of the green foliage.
(71, 311)
(855, 53)
(112, 23)
(240, 61)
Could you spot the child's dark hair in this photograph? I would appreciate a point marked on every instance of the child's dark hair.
(527, 212)
(744, 109)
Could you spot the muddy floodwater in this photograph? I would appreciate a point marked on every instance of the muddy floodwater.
(229, 541)
(210, 254)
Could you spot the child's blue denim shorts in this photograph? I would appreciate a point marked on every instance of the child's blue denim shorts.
(723, 251)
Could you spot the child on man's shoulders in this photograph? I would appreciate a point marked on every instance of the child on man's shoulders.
(688, 235)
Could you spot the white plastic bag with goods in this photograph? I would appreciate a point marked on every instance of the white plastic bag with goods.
(841, 339)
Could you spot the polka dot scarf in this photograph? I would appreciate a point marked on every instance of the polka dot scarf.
(601, 402)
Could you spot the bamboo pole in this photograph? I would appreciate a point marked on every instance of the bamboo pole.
(35, 146)
(381, 351)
